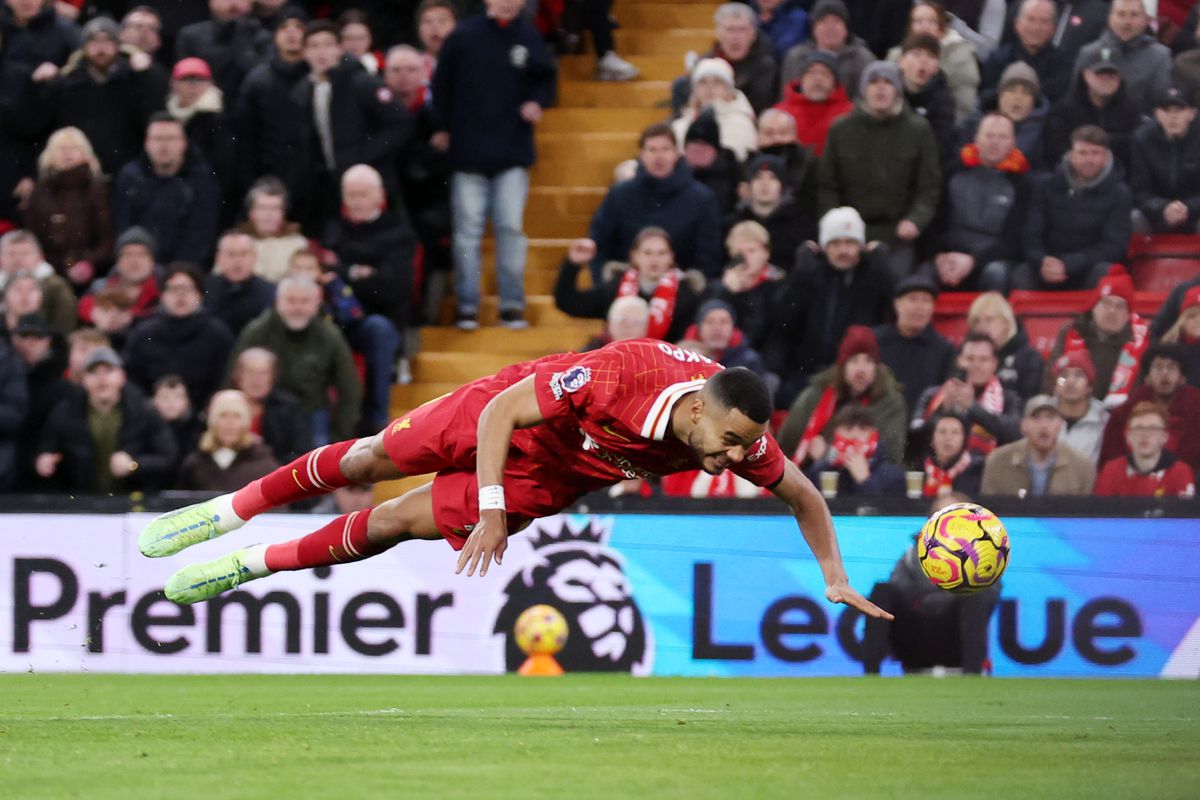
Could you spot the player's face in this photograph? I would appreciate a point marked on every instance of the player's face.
(722, 437)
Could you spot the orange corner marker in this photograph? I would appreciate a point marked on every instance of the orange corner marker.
(542, 664)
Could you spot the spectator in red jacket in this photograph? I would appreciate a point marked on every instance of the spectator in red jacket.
(1164, 381)
(816, 100)
(1149, 470)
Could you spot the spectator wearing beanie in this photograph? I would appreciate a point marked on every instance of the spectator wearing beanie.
(1079, 219)
(1163, 382)
(712, 88)
(1166, 168)
(1148, 469)
(882, 160)
(858, 378)
(106, 93)
(1033, 44)
(720, 338)
(1186, 332)
(829, 28)
(841, 284)
(201, 109)
(712, 164)
(1084, 417)
(134, 275)
(816, 99)
(1114, 335)
(1098, 97)
(183, 338)
(770, 203)
(917, 355)
(750, 281)
(1144, 61)
(957, 56)
(1019, 98)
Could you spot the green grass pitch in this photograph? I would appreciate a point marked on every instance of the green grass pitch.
(350, 737)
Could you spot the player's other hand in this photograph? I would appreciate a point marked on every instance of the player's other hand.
(843, 592)
(489, 540)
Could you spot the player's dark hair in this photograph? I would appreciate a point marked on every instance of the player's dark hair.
(739, 388)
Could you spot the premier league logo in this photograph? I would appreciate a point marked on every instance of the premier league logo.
(574, 571)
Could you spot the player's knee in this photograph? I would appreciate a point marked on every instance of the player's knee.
(360, 464)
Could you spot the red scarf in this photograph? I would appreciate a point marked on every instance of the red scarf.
(821, 415)
(1127, 363)
(992, 400)
(844, 444)
(938, 480)
(662, 302)
(1015, 162)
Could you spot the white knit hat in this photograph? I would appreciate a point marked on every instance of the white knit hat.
(842, 223)
(713, 68)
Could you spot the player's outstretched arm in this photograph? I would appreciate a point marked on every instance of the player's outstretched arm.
(515, 407)
(816, 524)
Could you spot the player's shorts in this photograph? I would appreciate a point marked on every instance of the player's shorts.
(440, 437)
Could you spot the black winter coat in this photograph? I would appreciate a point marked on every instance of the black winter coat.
(269, 121)
(812, 310)
(1165, 171)
(593, 303)
(369, 127)
(936, 104)
(14, 402)
(285, 426)
(113, 114)
(919, 362)
(179, 210)
(1052, 65)
(485, 73)
(47, 37)
(787, 226)
(387, 244)
(196, 348)
(143, 435)
(678, 203)
(1083, 227)
(985, 211)
(1021, 365)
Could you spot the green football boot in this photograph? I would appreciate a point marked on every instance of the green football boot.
(178, 530)
(199, 582)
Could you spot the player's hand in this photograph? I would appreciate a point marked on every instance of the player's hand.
(489, 540)
(843, 592)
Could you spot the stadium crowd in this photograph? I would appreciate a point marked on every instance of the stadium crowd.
(224, 221)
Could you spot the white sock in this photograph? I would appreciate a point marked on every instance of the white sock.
(254, 558)
(225, 519)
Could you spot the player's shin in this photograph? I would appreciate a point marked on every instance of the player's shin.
(343, 540)
(313, 474)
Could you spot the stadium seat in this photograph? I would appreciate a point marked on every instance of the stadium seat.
(1161, 262)
(950, 315)
(1044, 313)
(1147, 304)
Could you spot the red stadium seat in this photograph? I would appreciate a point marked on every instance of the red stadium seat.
(1045, 313)
(1161, 262)
(1147, 304)
(950, 315)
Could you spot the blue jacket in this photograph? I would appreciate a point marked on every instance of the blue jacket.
(678, 203)
(485, 73)
(788, 28)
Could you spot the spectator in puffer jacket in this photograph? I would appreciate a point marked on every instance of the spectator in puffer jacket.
(1098, 97)
(1079, 219)
(815, 99)
(1020, 99)
(829, 26)
(1166, 168)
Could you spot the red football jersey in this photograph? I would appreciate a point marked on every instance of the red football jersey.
(608, 413)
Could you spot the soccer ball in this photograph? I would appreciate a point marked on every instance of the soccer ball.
(963, 548)
(541, 629)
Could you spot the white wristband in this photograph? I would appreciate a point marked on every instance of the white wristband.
(491, 498)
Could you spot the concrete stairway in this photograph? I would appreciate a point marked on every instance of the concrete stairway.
(594, 127)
